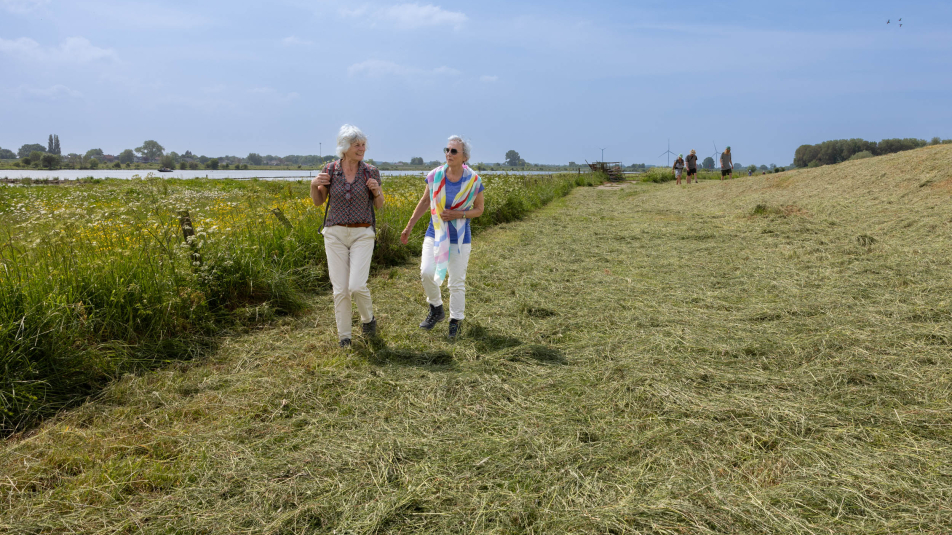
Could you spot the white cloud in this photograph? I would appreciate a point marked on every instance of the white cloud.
(296, 41)
(22, 6)
(409, 16)
(415, 16)
(488, 79)
(56, 92)
(375, 68)
(73, 50)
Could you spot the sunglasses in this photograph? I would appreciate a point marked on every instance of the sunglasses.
(448, 150)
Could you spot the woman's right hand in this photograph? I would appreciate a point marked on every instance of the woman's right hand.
(322, 179)
(405, 235)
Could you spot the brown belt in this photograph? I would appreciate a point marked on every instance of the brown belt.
(356, 225)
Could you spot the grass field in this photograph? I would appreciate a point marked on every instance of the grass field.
(763, 355)
(97, 280)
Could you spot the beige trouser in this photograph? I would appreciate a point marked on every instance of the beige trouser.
(348, 266)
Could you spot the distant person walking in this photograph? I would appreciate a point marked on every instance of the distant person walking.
(352, 190)
(727, 165)
(453, 195)
(691, 161)
(678, 168)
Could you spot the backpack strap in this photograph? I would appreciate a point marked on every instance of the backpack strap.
(332, 170)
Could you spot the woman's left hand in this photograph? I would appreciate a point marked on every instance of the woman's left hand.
(449, 215)
(374, 187)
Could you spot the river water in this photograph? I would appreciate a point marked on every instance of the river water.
(277, 174)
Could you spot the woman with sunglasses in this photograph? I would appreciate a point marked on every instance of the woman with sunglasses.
(453, 196)
(352, 190)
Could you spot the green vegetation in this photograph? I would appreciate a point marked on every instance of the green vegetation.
(841, 150)
(96, 279)
(666, 174)
(750, 356)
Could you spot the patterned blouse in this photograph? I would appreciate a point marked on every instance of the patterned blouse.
(350, 203)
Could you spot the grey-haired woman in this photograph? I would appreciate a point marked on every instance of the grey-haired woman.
(353, 191)
(453, 195)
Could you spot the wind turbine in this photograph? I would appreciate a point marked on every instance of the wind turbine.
(668, 152)
(716, 157)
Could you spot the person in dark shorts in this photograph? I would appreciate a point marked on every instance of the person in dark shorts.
(691, 162)
(727, 165)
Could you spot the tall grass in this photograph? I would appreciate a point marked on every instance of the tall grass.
(98, 280)
(666, 174)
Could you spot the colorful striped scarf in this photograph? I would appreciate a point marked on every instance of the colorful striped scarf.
(464, 200)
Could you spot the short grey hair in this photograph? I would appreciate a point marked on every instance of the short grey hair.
(467, 148)
(348, 135)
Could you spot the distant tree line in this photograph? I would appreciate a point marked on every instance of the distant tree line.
(840, 150)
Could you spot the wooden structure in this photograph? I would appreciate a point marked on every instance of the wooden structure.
(611, 169)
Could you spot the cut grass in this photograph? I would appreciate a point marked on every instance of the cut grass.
(96, 281)
(644, 359)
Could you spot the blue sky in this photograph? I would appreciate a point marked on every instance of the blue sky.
(555, 80)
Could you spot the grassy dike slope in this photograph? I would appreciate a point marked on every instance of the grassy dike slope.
(762, 355)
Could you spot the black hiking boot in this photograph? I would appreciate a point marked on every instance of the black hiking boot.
(435, 316)
(345, 343)
(370, 328)
(456, 327)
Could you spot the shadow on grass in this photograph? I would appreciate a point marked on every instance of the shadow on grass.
(512, 349)
(486, 341)
(377, 352)
(535, 354)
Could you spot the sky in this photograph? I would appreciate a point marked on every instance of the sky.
(556, 81)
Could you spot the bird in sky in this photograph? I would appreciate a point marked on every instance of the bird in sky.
(887, 22)
(900, 25)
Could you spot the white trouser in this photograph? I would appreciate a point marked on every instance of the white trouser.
(455, 277)
(348, 266)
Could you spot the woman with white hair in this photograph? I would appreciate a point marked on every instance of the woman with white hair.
(453, 195)
(352, 190)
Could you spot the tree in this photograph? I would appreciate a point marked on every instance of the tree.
(416, 160)
(212, 164)
(7, 154)
(94, 153)
(751, 168)
(56, 145)
(36, 157)
(708, 163)
(512, 158)
(49, 160)
(74, 160)
(254, 158)
(25, 150)
(93, 163)
(49, 145)
(150, 150)
(127, 156)
(167, 161)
